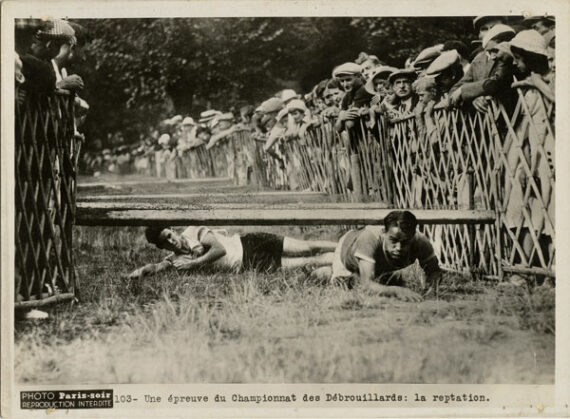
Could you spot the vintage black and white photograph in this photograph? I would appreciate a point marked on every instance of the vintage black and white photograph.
(319, 199)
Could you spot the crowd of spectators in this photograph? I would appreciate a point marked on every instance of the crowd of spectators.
(44, 49)
(507, 54)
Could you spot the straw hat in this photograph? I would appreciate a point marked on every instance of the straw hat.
(271, 105)
(382, 72)
(208, 115)
(528, 21)
(498, 31)
(480, 20)
(531, 41)
(402, 72)
(288, 94)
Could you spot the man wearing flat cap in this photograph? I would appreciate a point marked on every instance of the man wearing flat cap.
(403, 100)
(446, 70)
(37, 73)
(426, 57)
(57, 44)
(497, 82)
(480, 69)
(350, 80)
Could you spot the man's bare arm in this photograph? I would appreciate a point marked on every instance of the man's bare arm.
(367, 272)
(151, 268)
(215, 251)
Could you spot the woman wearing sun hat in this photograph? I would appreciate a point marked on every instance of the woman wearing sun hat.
(529, 50)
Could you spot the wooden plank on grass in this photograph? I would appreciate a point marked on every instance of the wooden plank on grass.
(111, 185)
(92, 215)
(204, 196)
(227, 206)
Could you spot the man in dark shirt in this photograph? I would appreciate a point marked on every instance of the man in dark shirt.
(376, 257)
(38, 74)
(350, 80)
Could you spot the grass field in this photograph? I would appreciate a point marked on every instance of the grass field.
(279, 328)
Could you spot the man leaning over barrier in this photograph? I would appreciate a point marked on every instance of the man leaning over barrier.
(378, 259)
(262, 252)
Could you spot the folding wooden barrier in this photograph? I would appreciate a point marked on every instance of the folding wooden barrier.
(46, 158)
(452, 160)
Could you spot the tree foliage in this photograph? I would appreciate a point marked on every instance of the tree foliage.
(138, 71)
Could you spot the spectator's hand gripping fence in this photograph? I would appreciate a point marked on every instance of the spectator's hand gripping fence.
(497, 161)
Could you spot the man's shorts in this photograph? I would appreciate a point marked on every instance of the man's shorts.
(339, 271)
(262, 252)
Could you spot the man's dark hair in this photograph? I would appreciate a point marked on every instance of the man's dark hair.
(152, 235)
(536, 63)
(405, 220)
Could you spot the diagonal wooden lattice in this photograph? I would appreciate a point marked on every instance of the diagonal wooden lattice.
(451, 159)
(45, 166)
(528, 179)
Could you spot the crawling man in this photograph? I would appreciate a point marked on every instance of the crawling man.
(377, 259)
(263, 252)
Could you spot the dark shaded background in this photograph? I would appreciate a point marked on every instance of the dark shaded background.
(139, 71)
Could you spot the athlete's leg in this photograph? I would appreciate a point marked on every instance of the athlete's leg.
(324, 259)
(296, 247)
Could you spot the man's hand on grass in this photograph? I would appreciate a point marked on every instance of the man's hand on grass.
(406, 294)
(183, 263)
(136, 274)
(400, 293)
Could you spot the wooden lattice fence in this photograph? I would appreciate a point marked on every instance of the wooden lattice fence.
(46, 160)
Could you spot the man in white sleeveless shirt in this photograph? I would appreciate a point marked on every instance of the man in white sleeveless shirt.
(263, 252)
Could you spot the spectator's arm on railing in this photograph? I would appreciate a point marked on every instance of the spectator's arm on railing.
(535, 81)
(73, 83)
(277, 132)
(220, 135)
(344, 116)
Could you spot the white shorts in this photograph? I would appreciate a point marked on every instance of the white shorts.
(339, 271)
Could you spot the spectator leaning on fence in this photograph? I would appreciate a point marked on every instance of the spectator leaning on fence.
(57, 44)
(537, 142)
(462, 50)
(378, 259)
(378, 85)
(403, 100)
(499, 76)
(350, 81)
(224, 127)
(426, 57)
(481, 66)
(37, 74)
(446, 70)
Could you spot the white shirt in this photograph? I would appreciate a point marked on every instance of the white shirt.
(59, 75)
(232, 244)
